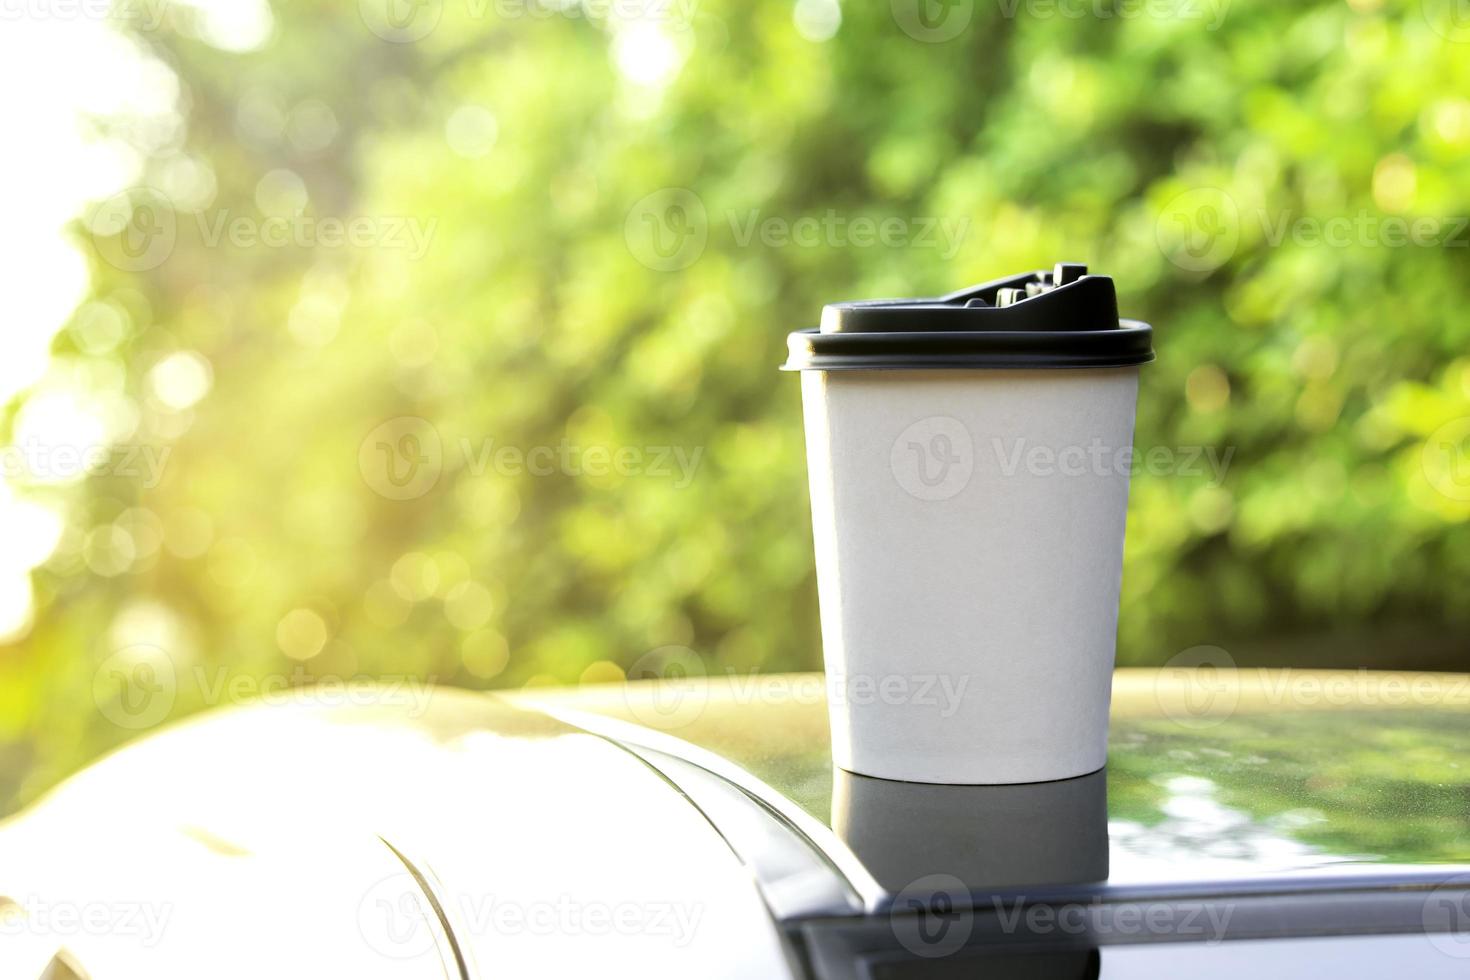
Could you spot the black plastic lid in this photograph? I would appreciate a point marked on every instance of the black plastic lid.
(1059, 319)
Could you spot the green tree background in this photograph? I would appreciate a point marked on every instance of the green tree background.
(583, 184)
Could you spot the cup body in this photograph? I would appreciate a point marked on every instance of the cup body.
(969, 535)
(1010, 837)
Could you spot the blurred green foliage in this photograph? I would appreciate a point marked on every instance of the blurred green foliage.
(601, 205)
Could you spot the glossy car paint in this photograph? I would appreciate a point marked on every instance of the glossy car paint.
(697, 828)
(462, 837)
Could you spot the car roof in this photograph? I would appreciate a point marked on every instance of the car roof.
(1301, 803)
(1290, 777)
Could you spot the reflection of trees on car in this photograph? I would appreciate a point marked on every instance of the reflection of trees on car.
(1399, 787)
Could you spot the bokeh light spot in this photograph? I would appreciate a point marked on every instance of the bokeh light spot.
(301, 634)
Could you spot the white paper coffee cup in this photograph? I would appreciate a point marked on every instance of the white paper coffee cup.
(968, 503)
(989, 837)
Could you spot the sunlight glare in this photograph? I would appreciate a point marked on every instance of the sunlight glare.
(646, 54)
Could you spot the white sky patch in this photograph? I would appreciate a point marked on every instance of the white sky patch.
(87, 106)
(68, 70)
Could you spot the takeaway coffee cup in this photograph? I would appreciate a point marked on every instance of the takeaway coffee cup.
(969, 458)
